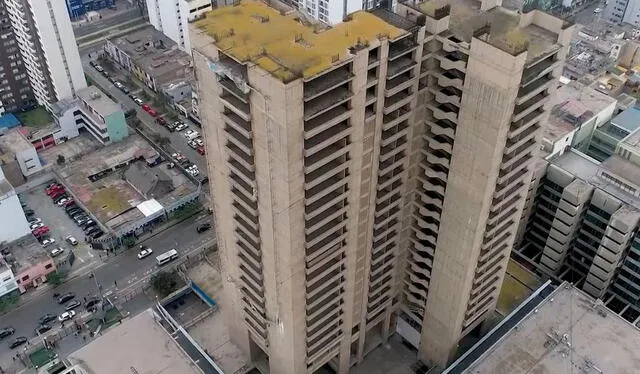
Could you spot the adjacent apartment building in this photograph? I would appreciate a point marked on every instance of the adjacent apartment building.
(47, 48)
(15, 90)
(172, 17)
(368, 178)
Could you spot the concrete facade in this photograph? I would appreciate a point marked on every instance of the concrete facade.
(13, 223)
(583, 226)
(172, 18)
(8, 282)
(355, 189)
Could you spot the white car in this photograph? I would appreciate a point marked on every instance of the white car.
(138, 101)
(193, 135)
(199, 142)
(36, 225)
(35, 220)
(181, 126)
(71, 240)
(597, 10)
(192, 144)
(187, 134)
(56, 251)
(144, 253)
(47, 242)
(66, 316)
(61, 202)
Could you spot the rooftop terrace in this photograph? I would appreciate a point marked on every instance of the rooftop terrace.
(99, 101)
(507, 30)
(285, 46)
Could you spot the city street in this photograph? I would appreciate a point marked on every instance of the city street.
(178, 142)
(125, 269)
(81, 29)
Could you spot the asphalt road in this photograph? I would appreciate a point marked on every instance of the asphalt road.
(81, 28)
(587, 17)
(178, 142)
(125, 269)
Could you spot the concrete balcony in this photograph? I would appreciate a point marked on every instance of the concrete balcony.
(397, 84)
(399, 66)
(240, 108)
(434, 159)
(325, 172)
(335, 152)
(397, 101)
(230, 87)
(325, 121)
(449, 80)
(442, 112)
(437, 128)
(329, 185)
(326, 82)
(325, 244)
(422, 224)
(326, 102)
(326, 138)
(319, 207)
(442, 146)
(236, 122)
(240, 171)
(328, 216)
(240, 156)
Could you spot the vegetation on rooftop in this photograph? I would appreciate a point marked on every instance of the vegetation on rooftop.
(38, 117)
(109, 199)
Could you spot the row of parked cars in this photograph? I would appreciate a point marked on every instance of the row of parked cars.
(90, 228)
(181, 160)
(194, 140)
(38, 228)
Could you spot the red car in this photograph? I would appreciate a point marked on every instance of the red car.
(161, 121)
(146, 107)
(40, 231)
(152, 112)
(56, 194)
(200, 150)
(67, 203)
(54, 189)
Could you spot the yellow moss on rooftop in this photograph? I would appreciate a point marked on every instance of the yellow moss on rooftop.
(284, 46)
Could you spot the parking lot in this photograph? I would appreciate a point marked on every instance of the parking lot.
(60, 225)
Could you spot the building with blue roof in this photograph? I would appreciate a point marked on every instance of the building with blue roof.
(606, 138)
(8, 121)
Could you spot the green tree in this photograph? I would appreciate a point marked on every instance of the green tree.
(9, 300)
(61, 160)
(161, 140)
(56, 278)
(165, 283)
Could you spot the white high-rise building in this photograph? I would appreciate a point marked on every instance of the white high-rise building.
(48, 47)
(172, 17)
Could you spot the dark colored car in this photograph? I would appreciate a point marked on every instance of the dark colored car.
(98, 234)
(130, 113)
(86, 224)
(20, 340)
(72, 305)
(92, 230)
(66, 297)
(47, 318)
(41, 329)
(203, 227)
(78, 214)
(57, 199)
(161, 121)
(74, 209)
(29, 212)
(7, 331)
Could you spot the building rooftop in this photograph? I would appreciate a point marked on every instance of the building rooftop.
(160, 353)
(284, 45)
(628, 120)
(157, 54)
(98, 101)
(12, 142)
(507, 28)
(573, 104)
(567, 332)
(24, 253)
(588, 169)
(8, 121)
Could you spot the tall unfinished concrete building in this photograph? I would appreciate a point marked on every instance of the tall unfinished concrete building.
(369, 178)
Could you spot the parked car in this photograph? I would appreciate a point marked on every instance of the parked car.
(57, 194)
(137, 100)
(20, 340)
(41, 329)
(72, 305)
(71, 240)
(59, 198)
(91, 230)
(66, 297)
(36, 225)
(47, 318)
(81, 220)
(29, 212)
(203, 227)
(88, 223)
(181, 126)
(78, 214)
(56, 252)
(192, 144)
(189, 134)
(144, 252)
(34, 220)
(69, 203)
(64, 200)
(6, 331)
(124, 89)
(47, 242)
(96, 235)
(54, 189)
(90, 303)
(99, 68)
(118, 84)
(152, 112)
(161, 121)
(67, 316)
(130, 113)
(201, 150)
(40, 231)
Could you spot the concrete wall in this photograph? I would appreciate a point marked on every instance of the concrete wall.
(7, 281)
(13, 223)
(35, 275)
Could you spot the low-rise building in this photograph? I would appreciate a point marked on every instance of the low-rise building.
(153, 58)
(13, 223)
(8, 282)
(577, 110)
(29, 261)
(605, 139)
(559, 330)
(93, 111)
(14, 145)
